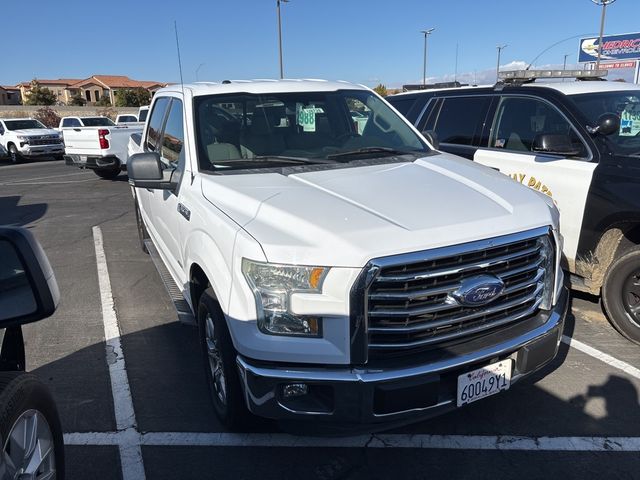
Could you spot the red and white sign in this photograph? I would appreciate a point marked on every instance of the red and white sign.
(614, 65)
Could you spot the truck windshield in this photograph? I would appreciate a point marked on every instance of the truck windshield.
(625, 104)
(97, 122)
(243, 131)
(22, 124)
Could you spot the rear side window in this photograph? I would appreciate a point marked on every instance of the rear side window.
(71, 122)
(155, 124)
(460, 119)
(403, 105)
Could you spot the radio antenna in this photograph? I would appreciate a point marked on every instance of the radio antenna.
(175, 27)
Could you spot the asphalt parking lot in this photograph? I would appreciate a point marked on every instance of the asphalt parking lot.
(136, 404)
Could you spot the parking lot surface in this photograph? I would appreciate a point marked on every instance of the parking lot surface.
(133, 402)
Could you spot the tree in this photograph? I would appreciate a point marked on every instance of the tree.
(381, 90)
(132, 97)
(39, 95)
(77, 100)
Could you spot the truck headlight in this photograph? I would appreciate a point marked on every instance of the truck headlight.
(548, 255)
(23, 139)
(273, 285)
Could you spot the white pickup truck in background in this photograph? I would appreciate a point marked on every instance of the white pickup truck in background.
(97, 143)
(28, 138)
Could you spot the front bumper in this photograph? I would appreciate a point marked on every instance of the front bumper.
(351, 398)
(93, 162)
(39, 150)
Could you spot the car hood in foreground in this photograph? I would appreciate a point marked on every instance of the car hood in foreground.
(345, 217)
(32, 132)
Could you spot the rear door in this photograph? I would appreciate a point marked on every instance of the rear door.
(517, 121)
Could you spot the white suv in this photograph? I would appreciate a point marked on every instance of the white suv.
(342, 272)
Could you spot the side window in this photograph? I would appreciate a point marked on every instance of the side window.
(403, 105)
(71, 122)
(460, 119)
(171, 149)
(155, 124)
(520, 121)
(1, 129)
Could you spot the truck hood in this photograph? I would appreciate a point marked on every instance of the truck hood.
(345, 217)
(31, 132)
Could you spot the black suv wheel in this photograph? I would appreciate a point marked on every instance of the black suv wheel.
(621, 294)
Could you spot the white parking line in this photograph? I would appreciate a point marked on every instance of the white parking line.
(282, 440)
(130, 452)
(603, 357)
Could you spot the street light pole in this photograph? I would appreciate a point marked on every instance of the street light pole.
(564, 64)
(280, 36)
(604, 4)
(424, 65)
(500, 48)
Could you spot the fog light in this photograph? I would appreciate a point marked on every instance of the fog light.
(295, 390)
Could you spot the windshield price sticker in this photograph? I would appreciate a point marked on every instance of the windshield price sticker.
(484, 382)
(307, 117)
(630, 122)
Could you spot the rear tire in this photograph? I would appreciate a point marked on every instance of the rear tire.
(142, 230)
(219, 359)
(108, 174)
(28, 414)
(14, 154)
(621, 294)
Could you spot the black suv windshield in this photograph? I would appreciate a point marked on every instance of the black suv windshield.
(625, 104)
(22, 124)
(97, 122)
(245, 130)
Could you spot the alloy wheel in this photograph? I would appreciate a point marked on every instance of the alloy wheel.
(215, 360)
(631, 296)
(29, 448)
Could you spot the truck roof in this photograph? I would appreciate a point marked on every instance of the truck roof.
(574, 87)
(264, 86)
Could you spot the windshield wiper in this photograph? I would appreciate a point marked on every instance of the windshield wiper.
(375, 150)
(289, 159)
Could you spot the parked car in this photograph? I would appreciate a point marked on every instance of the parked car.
(97, 143)
(142, 113)
(577, 142)
(28, 138)
(126, 118)
(342, 278)
(30, 430)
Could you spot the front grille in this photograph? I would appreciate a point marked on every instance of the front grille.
(409, 305)
(51, 141)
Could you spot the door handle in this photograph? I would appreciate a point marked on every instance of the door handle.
(184, 211)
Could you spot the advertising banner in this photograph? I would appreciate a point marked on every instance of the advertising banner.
(614, 47)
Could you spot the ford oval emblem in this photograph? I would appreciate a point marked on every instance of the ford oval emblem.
(478, 290)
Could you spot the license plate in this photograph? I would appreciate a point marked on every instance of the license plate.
(484, 382)
(83, 159)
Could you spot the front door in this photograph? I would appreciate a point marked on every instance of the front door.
(168, 218)
(517, 123)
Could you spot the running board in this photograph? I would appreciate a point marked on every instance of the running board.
(182, 307)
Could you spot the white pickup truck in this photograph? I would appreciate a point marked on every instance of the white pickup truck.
(97, 143)
(28, 138)
(345, 275)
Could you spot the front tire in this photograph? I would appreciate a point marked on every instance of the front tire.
(108, 174)
(219, 358)
(30, 429)
(621, 294)
(14, 154)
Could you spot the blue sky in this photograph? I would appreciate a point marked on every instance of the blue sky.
(365, 41)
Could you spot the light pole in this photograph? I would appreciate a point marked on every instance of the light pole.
(604, 4)
(500, 48)
(198, 69)
(424, 65)
(564, 64)
(280, 36)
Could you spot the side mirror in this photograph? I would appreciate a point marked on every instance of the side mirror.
(28, 288)
(432, 138)
(554, 144)
(146, 170)
(608, 123)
